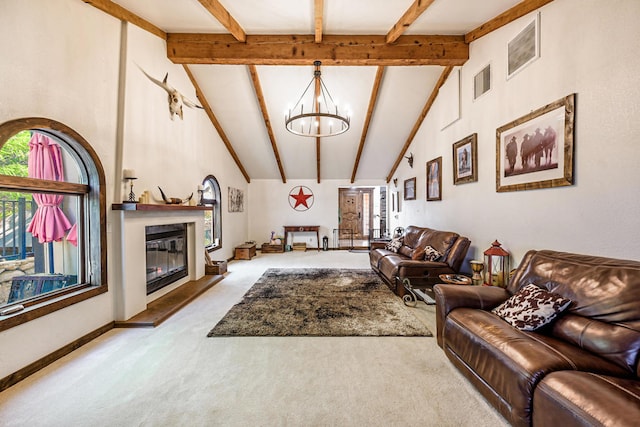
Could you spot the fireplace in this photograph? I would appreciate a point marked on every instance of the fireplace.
(166, 255)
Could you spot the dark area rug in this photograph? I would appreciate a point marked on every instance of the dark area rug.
(319, 302)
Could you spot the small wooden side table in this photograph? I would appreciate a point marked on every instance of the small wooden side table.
(246, 251)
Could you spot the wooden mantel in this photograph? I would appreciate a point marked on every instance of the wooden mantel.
(157, 208)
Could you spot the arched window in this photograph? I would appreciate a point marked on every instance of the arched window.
(212, 219)
(52, 228)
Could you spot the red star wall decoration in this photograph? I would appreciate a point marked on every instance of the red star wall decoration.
(301, 198)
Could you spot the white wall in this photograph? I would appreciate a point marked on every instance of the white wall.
(270, 209)
(588, 48)
(60, 60)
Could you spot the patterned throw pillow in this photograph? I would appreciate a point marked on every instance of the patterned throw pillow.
(394, 244)
(531, 308)
(431, 254)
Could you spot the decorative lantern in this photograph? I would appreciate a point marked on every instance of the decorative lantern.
(497, 261)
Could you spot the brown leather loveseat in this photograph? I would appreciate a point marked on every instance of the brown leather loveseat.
(412, 261)
(579, 369)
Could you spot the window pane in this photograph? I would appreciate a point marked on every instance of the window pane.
(208, 228)
(212, 219)
(38, 244)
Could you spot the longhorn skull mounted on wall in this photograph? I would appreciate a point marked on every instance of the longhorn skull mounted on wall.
(176, 99)
(409, 159)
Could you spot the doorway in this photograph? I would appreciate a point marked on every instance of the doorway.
(355, 216)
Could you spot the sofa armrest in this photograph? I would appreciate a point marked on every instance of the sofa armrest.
(428, 271)
(378, 245)
(450, 297)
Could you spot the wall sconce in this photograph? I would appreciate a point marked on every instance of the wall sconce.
(409, 159)
(395, 182)
(129, 175)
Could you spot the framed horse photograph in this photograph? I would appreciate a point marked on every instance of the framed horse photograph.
(410, 189)
(536, 150)
(465, 160)
(434, 179)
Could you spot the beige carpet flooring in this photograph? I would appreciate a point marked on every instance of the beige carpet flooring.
(174, 375)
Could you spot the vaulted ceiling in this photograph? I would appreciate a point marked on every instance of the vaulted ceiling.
(250, 60)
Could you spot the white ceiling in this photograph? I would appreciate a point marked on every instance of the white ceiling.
(403, 88)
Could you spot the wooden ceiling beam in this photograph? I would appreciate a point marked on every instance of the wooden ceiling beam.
(318, 159)
(224, 17)
(216, 123)
(265, 115)
(414, 11)
(190, 48)
(423, 114)
(505, 18)
(318, 12)
(367, 121)
(123, 14)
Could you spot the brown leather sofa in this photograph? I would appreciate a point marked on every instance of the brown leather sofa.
(581, 369)
(393, 267)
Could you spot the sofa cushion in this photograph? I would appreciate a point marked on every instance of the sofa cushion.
(617, 343)
(569, 398)
(413, 234)
(511, 362)
(406, 251)
(531, 308)
(432, 254)
(442, 241)
(395, 244)
(605, 290)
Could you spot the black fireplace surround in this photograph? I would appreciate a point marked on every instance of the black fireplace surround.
(166, 255)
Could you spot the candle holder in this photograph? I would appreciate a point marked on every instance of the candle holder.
(132, 195)
(129, 176)
(477, 267)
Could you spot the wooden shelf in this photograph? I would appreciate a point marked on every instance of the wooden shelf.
(157, 208)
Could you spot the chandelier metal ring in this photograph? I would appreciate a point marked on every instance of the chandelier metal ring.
(319, 122)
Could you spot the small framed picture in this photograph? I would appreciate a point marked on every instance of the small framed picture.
(465, 160)
(434, 179)
(482, 82)
(524, 48)
(410, 189)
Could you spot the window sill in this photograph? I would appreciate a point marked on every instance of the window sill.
(48, 306)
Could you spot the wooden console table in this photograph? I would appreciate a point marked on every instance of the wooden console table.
(302, 229)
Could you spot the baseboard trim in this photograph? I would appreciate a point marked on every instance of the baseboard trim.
(34, 367)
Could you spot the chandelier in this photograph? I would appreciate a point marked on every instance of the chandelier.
(322, 117)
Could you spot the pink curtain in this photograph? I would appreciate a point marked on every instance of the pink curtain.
(49, 223)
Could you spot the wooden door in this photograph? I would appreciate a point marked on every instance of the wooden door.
(355, 206)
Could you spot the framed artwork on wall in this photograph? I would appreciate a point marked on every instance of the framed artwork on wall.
(536, 150)
(434, 179)
(482, 82)
(524, 48)
(236, 200)
(410, 189)
(465, 160)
